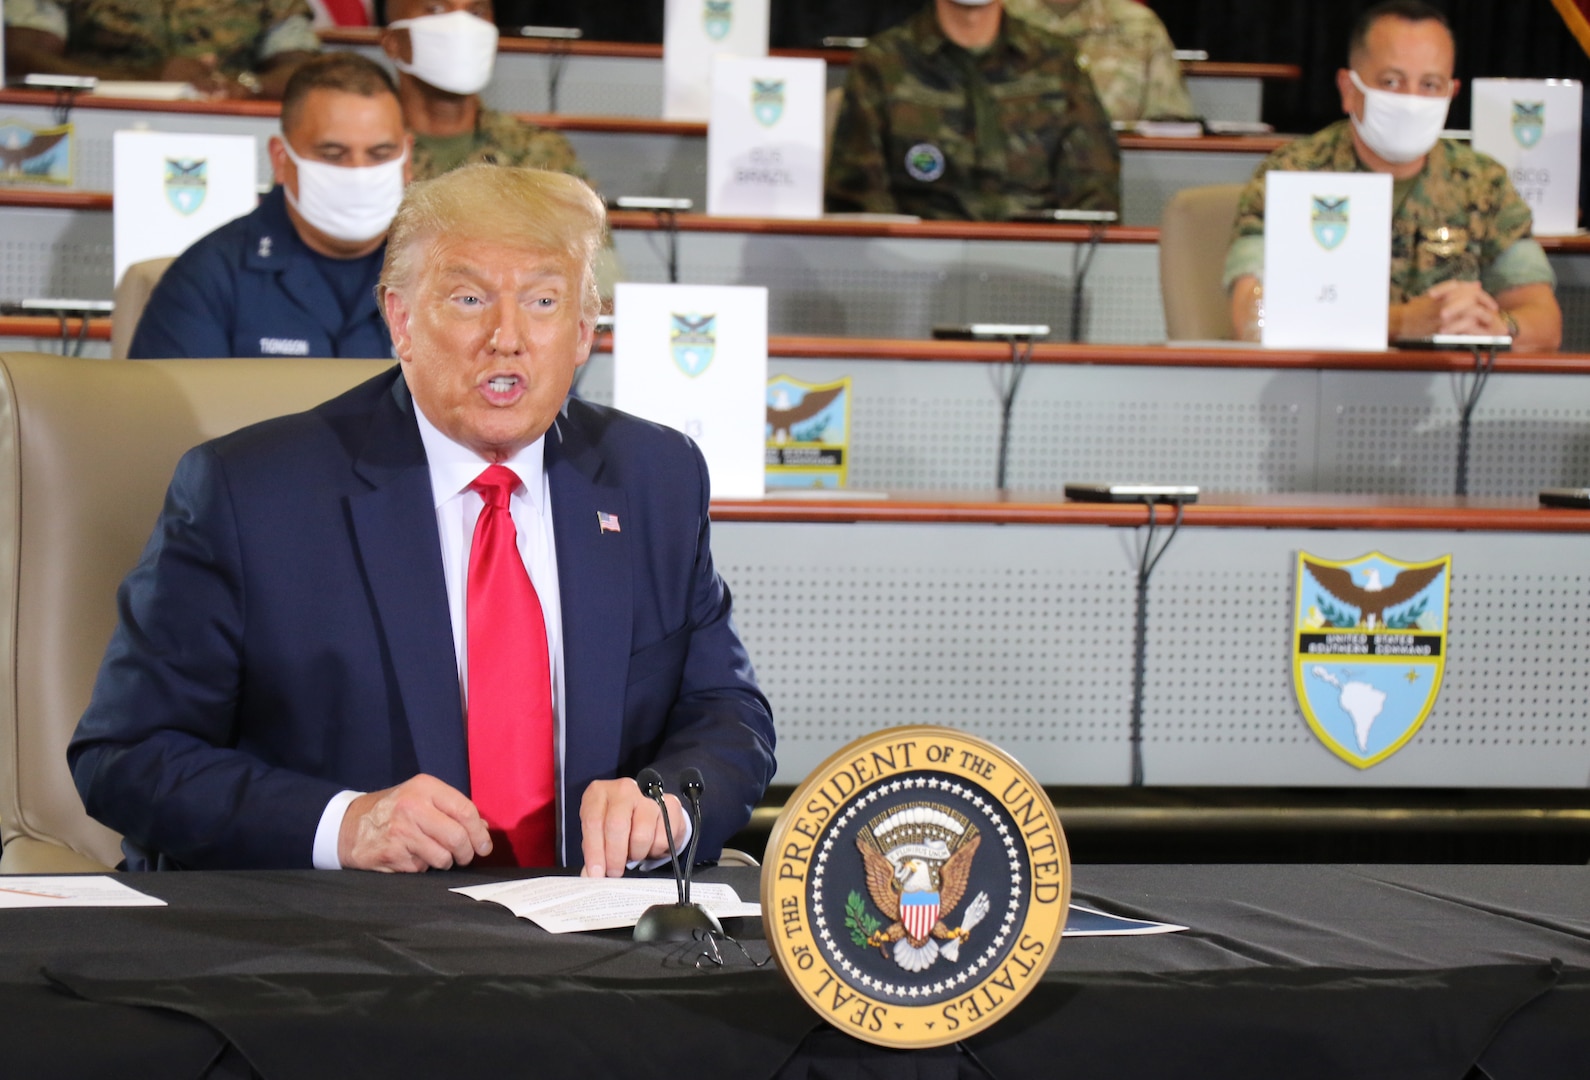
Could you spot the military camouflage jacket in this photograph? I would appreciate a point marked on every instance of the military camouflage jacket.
(241, 34)
(928, 128)
(1461, 219)
(501, 139)
(1123, 46)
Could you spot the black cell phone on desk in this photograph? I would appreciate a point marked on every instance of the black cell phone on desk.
(1570, 498)
(1124, 493)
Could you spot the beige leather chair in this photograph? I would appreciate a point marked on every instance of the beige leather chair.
(1193, 236)
(86, 450)
(132, 295)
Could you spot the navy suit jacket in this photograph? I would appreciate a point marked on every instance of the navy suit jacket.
(285, 636)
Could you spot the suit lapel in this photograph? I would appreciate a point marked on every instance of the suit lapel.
(594, 581)
(394, 525)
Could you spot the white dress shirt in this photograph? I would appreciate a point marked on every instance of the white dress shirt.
(453, 468)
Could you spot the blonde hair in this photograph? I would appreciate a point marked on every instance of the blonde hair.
(538, 210)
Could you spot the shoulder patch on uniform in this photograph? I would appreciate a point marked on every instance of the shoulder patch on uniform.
(924, 162)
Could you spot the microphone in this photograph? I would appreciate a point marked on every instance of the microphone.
(651, 786)
(693, 785)
(678, 921)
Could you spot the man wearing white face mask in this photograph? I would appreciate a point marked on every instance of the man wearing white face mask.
(297, 276)
(444, 51)
(1462, 257)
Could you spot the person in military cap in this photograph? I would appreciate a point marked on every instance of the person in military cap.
(1123, 47)
(444, 51)
(961, 112)
(224, 48)
(1462, 257)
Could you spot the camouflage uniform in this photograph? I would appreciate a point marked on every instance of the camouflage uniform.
(1460, 218)
(240, 34)
(930, 129)
(1124, 47)
(501, 139)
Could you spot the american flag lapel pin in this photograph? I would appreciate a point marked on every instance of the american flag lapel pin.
(606, 522)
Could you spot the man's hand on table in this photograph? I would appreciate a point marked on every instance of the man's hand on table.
(621, 825)
(421, 824)
(1451, 307)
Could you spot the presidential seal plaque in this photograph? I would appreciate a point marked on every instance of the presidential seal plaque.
(915, 887)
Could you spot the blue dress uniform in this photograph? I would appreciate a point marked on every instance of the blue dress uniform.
(253, 288)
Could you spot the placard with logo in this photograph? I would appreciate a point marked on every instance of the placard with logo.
(765, 139)
(172, 189)
(694, 357)
(35, 155)
(1532, 126)
(1327, 260)
(808, 433)
(1369, 650)
(694, 31)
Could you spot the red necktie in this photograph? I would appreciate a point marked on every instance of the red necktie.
(511, 772)
(347, 12)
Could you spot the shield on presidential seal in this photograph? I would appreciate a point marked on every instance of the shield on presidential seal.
(1529, 122)
(1369, 650)
(767, 100)
(718, 17)
(694, 339)
(1330, 220)
(187, 180)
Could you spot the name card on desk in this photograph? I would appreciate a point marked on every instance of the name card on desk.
(172, 189)
(1327, 260)
(694, 31)
(694, 357)
(1532, 126)
(765, 139)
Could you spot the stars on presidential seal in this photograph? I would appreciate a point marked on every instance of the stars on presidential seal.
(917, 859)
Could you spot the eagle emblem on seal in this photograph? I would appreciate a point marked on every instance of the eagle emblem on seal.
(918, 860)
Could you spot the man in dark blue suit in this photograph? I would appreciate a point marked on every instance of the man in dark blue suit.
(287, 682)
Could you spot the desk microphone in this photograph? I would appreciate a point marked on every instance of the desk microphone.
(679, 921)
(693, 785)
(651, 785)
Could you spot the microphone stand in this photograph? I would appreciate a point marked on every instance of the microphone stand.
(679, 921)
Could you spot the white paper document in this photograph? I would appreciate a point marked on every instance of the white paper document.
(1084, 921)
(563, 905)
(1327, 260)
(30, 891)
(1532, 126)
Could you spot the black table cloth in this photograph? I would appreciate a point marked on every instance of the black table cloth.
(1288, 971)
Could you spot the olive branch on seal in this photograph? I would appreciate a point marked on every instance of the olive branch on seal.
(860, 923)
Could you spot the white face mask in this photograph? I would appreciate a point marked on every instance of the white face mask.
(1399, 128)
(452, 52)
(352, 204)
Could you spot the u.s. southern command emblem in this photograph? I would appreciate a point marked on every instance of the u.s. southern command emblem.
(916, 886)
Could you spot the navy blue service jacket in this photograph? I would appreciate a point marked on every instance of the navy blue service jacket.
(253, 288)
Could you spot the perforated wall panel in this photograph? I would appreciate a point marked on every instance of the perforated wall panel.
(1227, 99)
(1397, 433)
(1573, 296)
(1023, 634)
(1010, 634)
(55, 253)
(93, 129)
